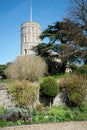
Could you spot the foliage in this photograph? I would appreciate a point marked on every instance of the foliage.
(6, 123)
(59, 113)
(84, 108)
(83, 70)
(55, 114)
(40, 116)
(50, 52)
(74, 90)
(70, 37)
(49, 87)
(24, 93)
(2, 110)
(24, 115)
(41, 108)
(78, 13)
(61, 76)
(64, 36)
(2, 69)
(74, 67)
(27, 68)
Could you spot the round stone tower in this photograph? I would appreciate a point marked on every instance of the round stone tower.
(30, 32)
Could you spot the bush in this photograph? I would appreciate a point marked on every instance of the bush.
(56, 114)
(24, 93)
(6, 123)
(2, 110)
(74, 90)
(26, 68)
(83, 70)
(49, 87)
(84, 108)
(2, 69)
(74, 67)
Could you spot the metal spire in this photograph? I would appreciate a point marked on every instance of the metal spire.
(30, 10)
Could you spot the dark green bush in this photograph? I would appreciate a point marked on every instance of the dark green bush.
(83, 70)
(2, 69)
(74, 90)
(49, 87)
(74, 67)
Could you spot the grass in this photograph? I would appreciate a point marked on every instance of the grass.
(57, 76)
(7, 81)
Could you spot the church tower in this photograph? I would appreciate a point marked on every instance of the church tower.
(30, 32)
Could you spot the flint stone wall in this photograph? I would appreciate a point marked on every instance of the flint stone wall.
(5, 99)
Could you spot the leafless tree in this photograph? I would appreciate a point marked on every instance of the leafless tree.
(78, 12)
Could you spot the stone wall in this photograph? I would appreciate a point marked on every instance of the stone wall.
(5, 99)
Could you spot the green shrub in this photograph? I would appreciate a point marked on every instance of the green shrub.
(59, 113)
(24, 93)
(49, 87)
(56, 114)
(84, 108)
(74, 90)
(83, 70)
(74, 67)
(2, 110)
(2, 69)
(6, 123)
(78, 114)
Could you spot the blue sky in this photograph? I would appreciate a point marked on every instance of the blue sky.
(15, 12)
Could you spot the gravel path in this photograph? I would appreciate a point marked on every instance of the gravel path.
(52, 126)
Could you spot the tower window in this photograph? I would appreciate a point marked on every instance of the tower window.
(25, 52)
(24, 38)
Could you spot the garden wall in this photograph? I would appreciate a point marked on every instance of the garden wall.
(52, 126)
(5, 99)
